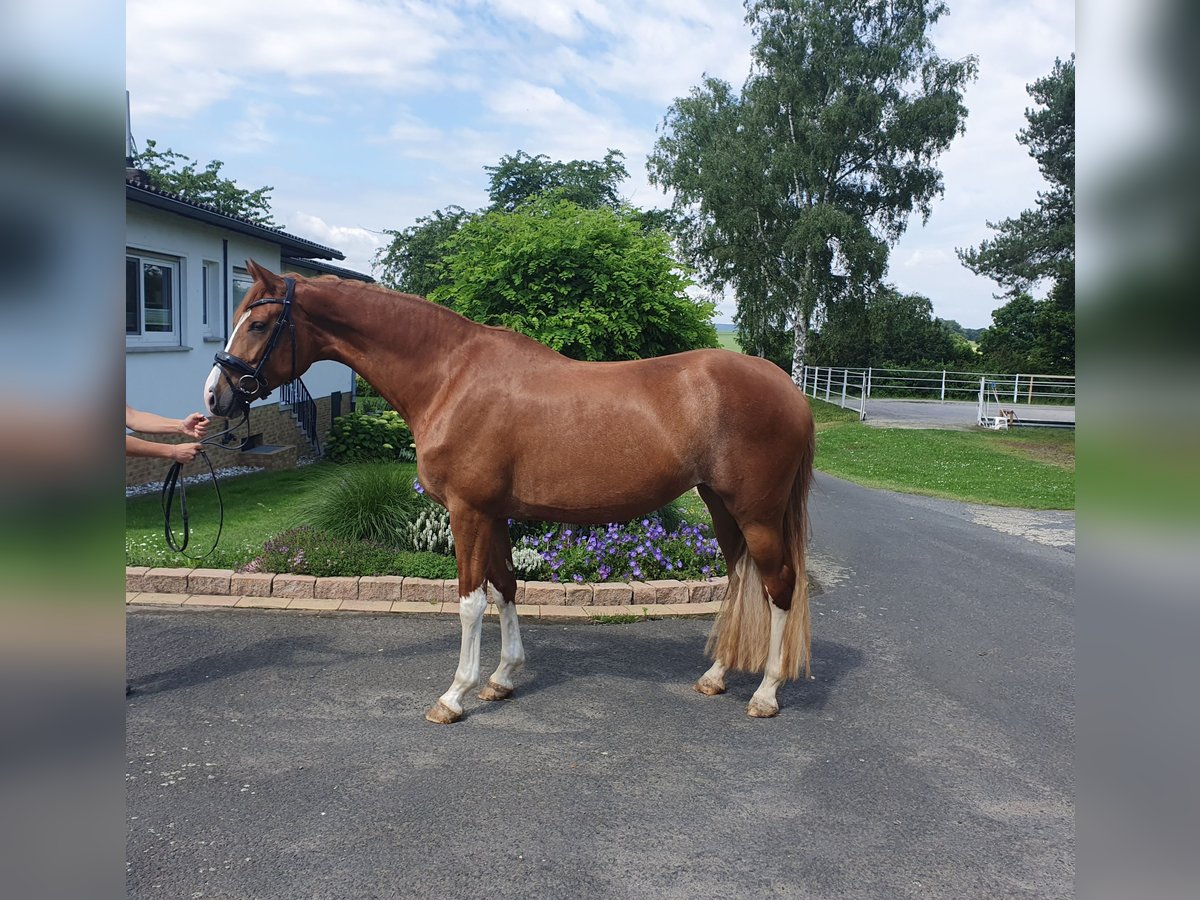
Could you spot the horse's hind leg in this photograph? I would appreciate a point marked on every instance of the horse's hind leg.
(766, 547)
(512, 653)
(729, 538)
(472, 545)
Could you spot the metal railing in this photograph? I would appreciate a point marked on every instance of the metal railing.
(304, 408)
(839, 385)
(853, 387)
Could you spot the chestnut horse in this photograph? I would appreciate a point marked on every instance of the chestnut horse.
(508, 428)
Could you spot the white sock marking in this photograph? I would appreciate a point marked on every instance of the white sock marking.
(512, 652)
(470, 616)
(773, 673)
(716, 672)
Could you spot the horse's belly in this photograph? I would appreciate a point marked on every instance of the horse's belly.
(598, 492)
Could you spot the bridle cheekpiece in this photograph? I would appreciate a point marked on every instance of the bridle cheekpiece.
(249, 382)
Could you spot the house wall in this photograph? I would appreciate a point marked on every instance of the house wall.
(170, 381)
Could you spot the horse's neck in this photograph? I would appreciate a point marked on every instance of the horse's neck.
(400, 345)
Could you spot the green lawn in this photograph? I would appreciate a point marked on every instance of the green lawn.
(728, 340)
(257, 507)
(1028, 468)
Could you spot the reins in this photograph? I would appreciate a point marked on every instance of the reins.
(173, 482)
(250, 385)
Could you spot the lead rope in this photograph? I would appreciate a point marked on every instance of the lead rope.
(173, 482)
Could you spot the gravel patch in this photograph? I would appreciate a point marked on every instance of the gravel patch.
(155, 487)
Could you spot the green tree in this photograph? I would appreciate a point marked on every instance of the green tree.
(1029, 335)
(969, 334)
(591, 283)
(179, 174)
(1039, 244)
(904, 332)
(412, 261)
(887, 328)
(793, 190)
(587, 183)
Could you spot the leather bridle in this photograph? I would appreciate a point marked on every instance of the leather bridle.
(249, 384)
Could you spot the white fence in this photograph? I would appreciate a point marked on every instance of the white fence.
(1021, 398)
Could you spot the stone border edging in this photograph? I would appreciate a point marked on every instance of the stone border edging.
(214, 588)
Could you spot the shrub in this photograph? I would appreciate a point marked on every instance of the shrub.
(528, 563)
(366, 502)
(429, 531)
(358, 437)
(637, 551)
(425, 565)
(308, 551)
(671, 517)
(591, 283)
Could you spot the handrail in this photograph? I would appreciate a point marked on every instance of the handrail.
(296, 395)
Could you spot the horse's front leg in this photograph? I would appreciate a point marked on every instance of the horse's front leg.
(472, 543)
(512, 652)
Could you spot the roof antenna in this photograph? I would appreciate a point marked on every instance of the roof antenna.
(130, 146)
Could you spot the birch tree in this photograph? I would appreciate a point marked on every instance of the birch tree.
(792, 190)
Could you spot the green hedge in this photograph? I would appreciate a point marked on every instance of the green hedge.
(383, 437)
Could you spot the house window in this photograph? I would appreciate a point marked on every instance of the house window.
(214, 326)
(242, 282)
(151, 300)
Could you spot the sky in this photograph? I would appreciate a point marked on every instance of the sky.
(363, 115)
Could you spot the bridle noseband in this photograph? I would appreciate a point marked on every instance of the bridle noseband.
(249, 381)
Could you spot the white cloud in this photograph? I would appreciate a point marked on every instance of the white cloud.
(925, 256)
(566, 19)
(252, 133)
(358, 244)
(376, 113)
(182, 57)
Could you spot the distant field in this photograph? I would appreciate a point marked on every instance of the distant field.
(729, 341)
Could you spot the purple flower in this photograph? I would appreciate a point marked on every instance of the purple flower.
(417, 486)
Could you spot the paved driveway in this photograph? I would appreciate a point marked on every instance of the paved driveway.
(285, 755)
(887, 413)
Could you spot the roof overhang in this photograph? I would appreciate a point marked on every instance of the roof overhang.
(289, 244)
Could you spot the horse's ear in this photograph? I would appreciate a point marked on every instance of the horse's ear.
(264, 275)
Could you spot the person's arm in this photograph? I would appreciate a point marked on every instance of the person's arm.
(176, 452)
(149, 423)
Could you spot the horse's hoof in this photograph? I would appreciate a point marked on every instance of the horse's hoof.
(495, 691)
(759, 710)
(441, 714)
(710, 687)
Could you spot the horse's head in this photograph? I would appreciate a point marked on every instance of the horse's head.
(264, 349)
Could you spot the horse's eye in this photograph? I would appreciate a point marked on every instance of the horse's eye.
(258, 326)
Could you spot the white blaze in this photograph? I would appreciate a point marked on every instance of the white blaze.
(214, 377)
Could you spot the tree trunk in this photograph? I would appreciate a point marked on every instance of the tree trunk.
(800, 332)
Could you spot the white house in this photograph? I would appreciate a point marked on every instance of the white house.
(184, 276)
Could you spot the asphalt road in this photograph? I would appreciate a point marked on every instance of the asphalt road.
(285, 755)
(891, 413)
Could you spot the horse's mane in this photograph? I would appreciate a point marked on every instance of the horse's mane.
(351, 286)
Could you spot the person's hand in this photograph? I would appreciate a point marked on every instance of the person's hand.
(184, 453)
(194, 426)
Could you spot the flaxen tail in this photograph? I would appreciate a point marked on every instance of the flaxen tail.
(741, 636)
